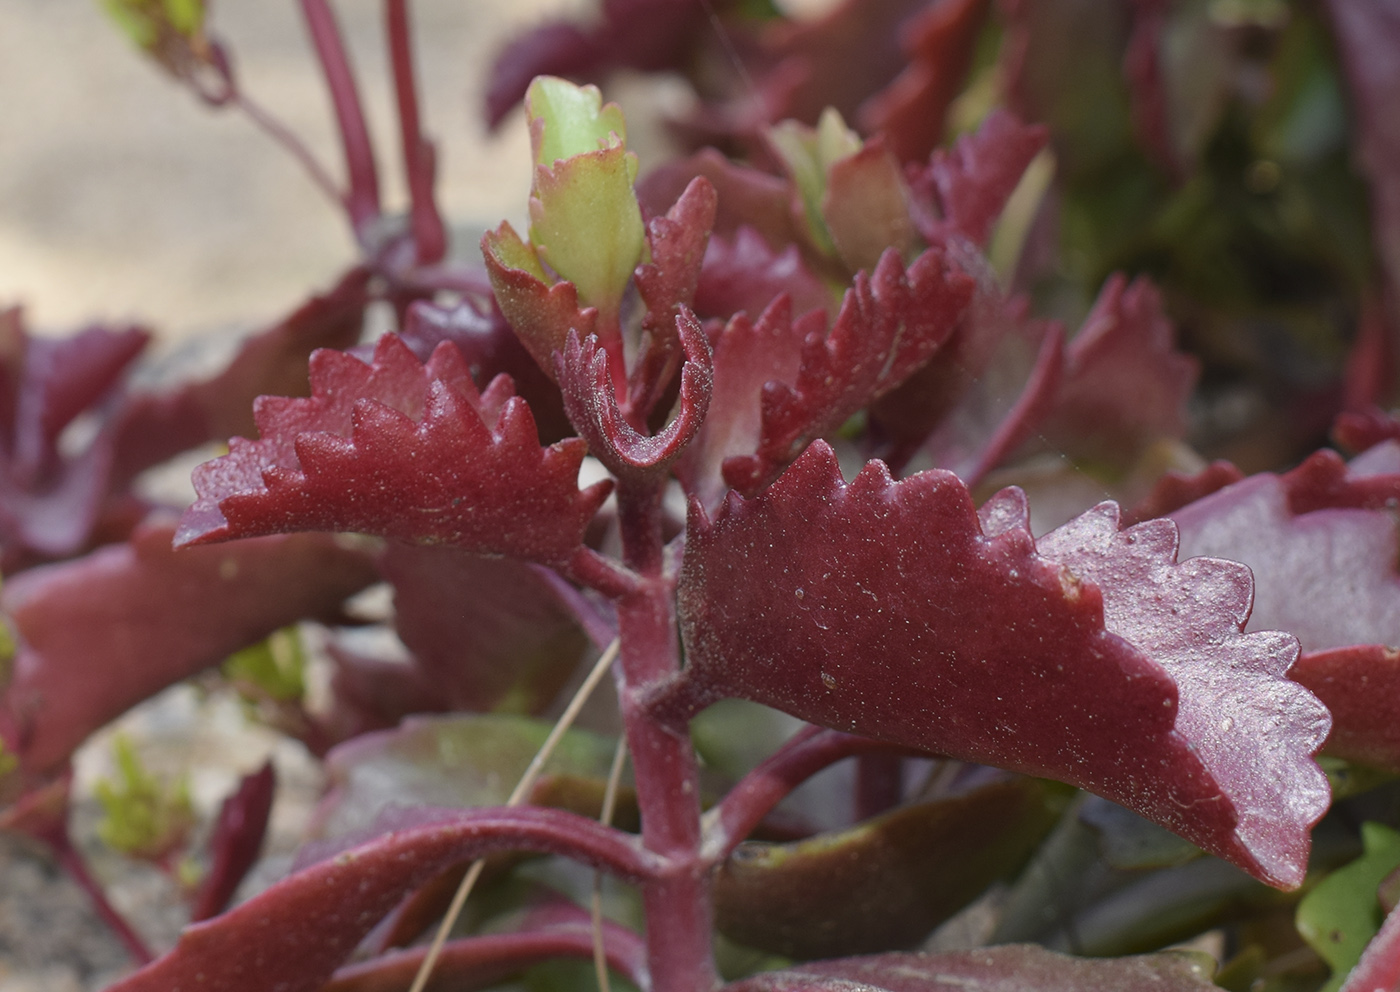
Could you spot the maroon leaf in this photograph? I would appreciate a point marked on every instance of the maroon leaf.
(292, 936)
(490, 348)
(402, 450)
(1125, 384)
(962, 639)
(1176, 490)
(156, 426)
(890, 323)
(1326, 573)
(746, 197)
(667, 285)
(1367, 37)
(591, 402)
(484, 632)
(102, 633)
(1379, 967)
(1015, 968)
(743, 274)
(940, 43)
(974, 179)
(238, 836)
(1361, 686)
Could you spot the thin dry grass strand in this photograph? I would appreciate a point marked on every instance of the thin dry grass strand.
(600, 957)
(522, 789)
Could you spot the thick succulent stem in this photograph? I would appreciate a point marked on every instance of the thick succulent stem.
(678, 904)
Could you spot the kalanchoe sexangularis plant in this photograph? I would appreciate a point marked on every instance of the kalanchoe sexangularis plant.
(807, 388)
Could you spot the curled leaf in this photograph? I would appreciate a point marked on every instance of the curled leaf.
(402, 450)
(889, 610)
(591, 402)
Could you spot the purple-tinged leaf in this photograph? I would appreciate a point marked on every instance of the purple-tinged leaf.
(237, 839)
(1125, 385)
(887, 609)
(154, 427)
(1368, 37)
(100, 634)
(1324, 570)
(940, 43)
(743, 275)
(1014, 968)
(890, 323)
(591, 402)
(485, 633)
(540, 313)
(747, 355)
(369, 693)
(746, 197)
(866, 206)
(1178, 489)
(490, 348)
(886, 883)
(295, 934)
(1254, 729)
(402, 450)
(1361, 687)
(972, 181)
(667, 284)
(648, 35)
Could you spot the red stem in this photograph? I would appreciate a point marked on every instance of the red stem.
(729, 823)
(362, 199)
(678, 904)
(429, 234)
(76, 866)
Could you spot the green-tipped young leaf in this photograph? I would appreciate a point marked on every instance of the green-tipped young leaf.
(275, 667)
(567, 120)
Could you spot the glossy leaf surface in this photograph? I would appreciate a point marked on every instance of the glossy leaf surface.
(1360, 685)
(890, 610)
(402, 450)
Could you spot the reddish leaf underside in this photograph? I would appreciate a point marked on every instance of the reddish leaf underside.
(293, 935)
(101, 633)
(887, 609)
(401, 450)
(1014, 968)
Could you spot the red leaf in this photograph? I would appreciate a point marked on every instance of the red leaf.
(1175, 490)
(401, 450)
(292, 936)
(100, 634)
(1125, 384)
(1379, 967)
(1361, 686)
(885, 609)
(866, 206)
(481, 629)
(975, 178)
(238, 836)
(890, 323)
(1324, 569)
(667, 285)
(746, 197)
(1367, 37)
(743, 274)
(940, 43)
(591, 402)
(1014, 968)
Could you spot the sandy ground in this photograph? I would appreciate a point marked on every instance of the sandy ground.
(122, 197)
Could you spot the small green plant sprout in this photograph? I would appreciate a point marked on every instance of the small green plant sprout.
(144, 817)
